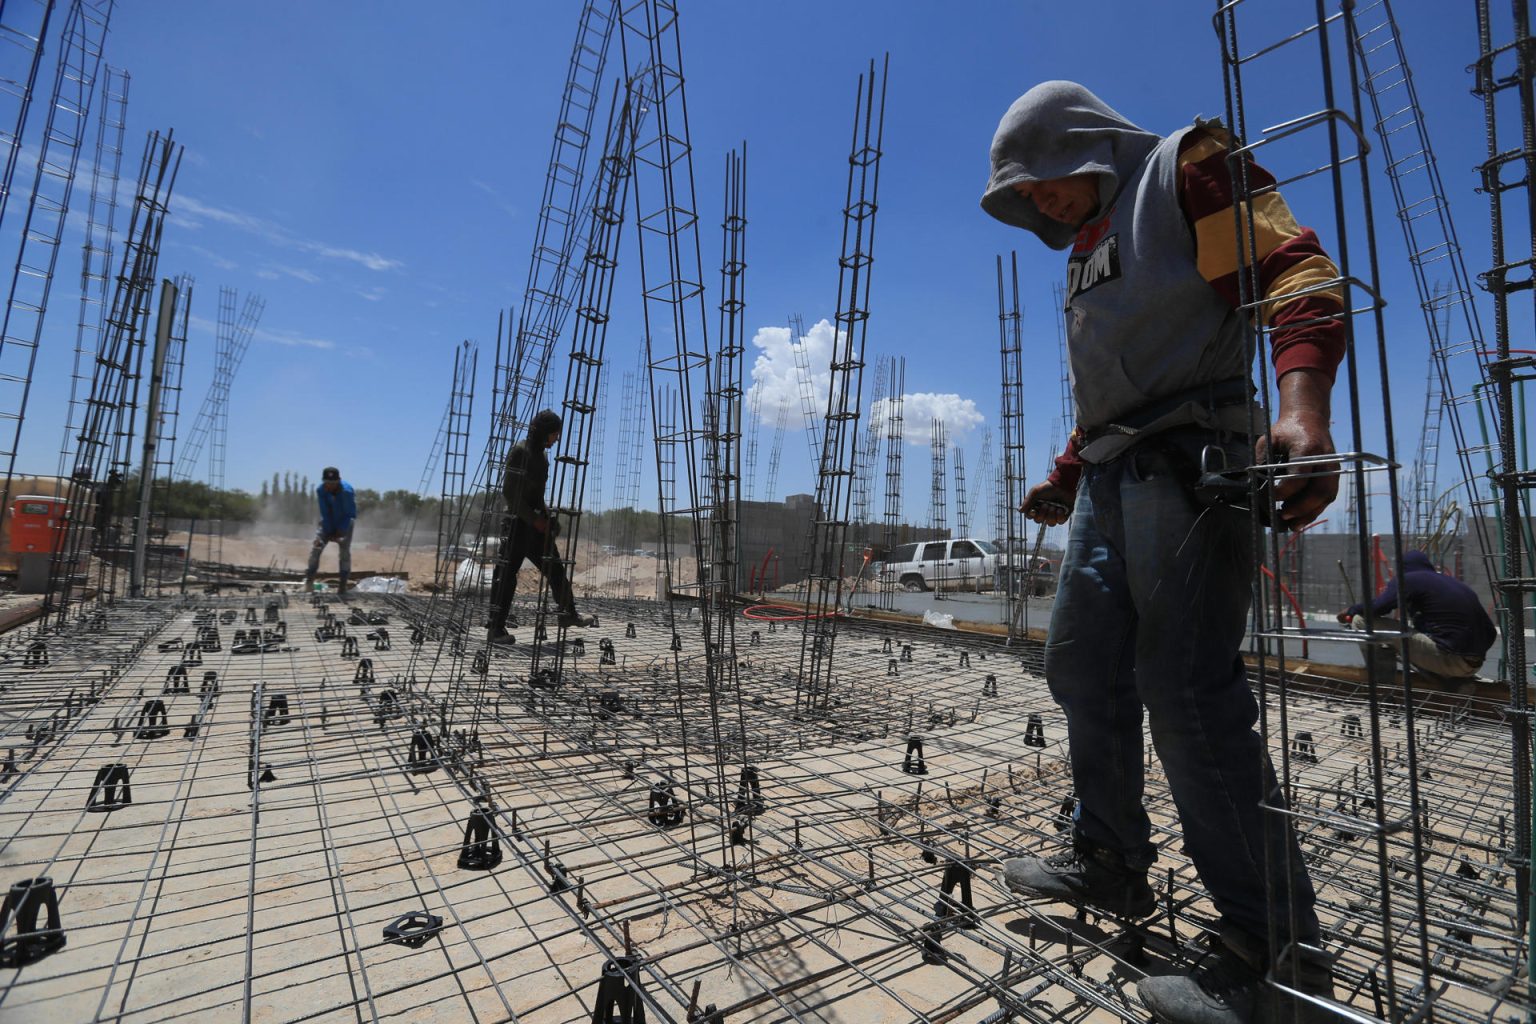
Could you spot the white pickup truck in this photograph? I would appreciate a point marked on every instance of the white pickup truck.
(966, 563)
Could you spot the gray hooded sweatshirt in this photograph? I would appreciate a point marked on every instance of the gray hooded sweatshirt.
(1144, 329)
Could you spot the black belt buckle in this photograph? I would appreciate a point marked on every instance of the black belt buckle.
(1218, 484)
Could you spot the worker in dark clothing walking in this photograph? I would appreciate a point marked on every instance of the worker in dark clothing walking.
(529, 530)
(1451, 630)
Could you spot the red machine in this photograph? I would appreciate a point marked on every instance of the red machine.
(37, 524)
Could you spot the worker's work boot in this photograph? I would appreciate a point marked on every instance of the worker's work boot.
(571, 617)
(1086, 874)
(1238, 983)
(499, 637)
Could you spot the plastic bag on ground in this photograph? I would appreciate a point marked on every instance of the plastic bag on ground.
(943, 620)
(468, 574)
(380, 585)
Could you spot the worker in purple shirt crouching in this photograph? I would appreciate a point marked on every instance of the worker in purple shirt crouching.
(1451, 630)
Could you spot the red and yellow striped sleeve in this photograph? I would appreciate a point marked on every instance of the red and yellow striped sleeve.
(1069, 464)
(1300, 283)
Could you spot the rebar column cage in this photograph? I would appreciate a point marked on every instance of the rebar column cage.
(106, 424)
(869, 453)
(962, 508)
(1011, 350)
(1391, 947)
(210, 428)
(982, 480)
(163, 469)
(423, 491)
(584, 370)
(453, 497)
(893, 443)
(96, 253)
(806, 381)
(723, 463)
(938, 509)
(627, 482)
(1458, 353)
(1508, 177)
(42, 229)
(1068, 419)
(676, 326)
(626, 451)
(753, 431)
(234, 338)
(592, 496)
(829, 524)
(23, 31)
(231, 338)
(776, 452)
(554, 272)
(724, 405)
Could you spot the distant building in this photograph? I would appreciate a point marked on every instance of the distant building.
(776, 541)
(1310, 564)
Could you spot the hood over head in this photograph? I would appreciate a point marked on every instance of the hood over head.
(1055, 130)
(1417, 561)
(544, 423)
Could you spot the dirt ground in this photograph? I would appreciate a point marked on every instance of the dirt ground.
(286, 554)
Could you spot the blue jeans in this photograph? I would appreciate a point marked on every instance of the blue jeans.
(1150, 615)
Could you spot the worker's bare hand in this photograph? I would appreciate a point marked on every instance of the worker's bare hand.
(1048, 504)
(1305, 491)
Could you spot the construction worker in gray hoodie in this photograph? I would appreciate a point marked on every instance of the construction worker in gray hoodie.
(1155, 585)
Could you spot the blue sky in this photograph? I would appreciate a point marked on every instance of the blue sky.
(374, 170)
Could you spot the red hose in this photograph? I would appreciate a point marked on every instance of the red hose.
(798, 614)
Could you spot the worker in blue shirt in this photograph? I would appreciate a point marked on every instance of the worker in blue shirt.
(338, 511)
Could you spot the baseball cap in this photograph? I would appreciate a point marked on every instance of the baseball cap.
(330, 473)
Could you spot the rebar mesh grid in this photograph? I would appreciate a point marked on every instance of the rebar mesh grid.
(307, 793)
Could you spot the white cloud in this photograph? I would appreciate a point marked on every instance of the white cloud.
(920, 409)
(497, 199)
(371, 260)
(276, 336)
(197, 209)
(273, 271)
(291, 339)
(208, 255)
(298, 273)
(190, 210)
(776, 377)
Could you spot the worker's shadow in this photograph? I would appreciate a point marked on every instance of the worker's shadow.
(1122, 941)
